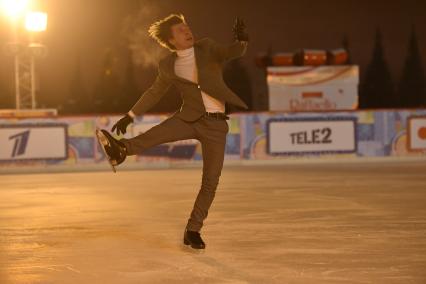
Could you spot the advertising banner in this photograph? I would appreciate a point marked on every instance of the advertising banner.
(33, 142)
(308, 88)
(312, 135)
(70, 142)
(417, 133)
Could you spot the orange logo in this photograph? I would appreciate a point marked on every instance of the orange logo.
(422, 133)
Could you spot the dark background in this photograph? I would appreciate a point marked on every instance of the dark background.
(86, 38)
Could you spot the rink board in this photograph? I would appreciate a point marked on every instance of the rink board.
(386, 133)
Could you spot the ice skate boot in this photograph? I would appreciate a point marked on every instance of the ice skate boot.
(114, 150)
(193, 239)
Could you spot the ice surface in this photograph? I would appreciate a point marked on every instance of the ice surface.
(315, 223)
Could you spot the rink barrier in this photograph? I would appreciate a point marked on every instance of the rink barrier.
(253, 138)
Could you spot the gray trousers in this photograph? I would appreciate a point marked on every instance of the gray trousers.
(212, 135)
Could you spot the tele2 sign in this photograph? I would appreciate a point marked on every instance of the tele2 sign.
(311, 135)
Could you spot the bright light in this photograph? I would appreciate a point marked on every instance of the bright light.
(36, 21)
(14, 8)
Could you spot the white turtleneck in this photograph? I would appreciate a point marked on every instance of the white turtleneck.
(186, 68)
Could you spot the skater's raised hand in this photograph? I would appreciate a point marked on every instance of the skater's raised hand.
(239, 30)
(122, 124)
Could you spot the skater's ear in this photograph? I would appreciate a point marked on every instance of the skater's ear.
(172, 43)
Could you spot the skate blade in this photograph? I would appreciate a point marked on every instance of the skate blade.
(103, 141)
(189, 249)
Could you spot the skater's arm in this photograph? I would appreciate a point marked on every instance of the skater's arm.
(238, 48)
(151, 96)
(227, 52)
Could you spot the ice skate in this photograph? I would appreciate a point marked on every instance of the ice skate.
(114, 150)
(193, 239)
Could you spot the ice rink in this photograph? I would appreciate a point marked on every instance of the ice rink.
(294, 223)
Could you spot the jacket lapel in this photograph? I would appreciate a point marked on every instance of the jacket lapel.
(169, 65)
(197, 56)
(169, 68)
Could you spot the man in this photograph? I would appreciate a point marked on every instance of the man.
(195, 68)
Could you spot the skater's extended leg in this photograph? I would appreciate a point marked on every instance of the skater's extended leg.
(169, 130)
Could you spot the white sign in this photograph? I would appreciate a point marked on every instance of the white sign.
(33, 142)
(303, 136)
(308, 88)
(417, 133)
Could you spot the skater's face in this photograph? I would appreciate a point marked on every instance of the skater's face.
(182, 37)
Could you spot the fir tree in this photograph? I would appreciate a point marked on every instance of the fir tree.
(345, 44)
(237, 79)
(412, 87)
(77, 101)
(129, 88)
(377, 91)
(107, 93)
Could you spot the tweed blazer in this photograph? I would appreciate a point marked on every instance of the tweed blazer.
(209, 58)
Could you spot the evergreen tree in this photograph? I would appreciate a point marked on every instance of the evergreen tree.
(345, 44)
(412, 87)
(77, 101)
(377, 91)
(108, 94)
(129, 89)
(238, 80)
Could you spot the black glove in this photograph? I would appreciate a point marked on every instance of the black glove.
(239, 30)
(122, 124)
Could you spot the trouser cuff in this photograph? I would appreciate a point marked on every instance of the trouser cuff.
(193, 227)
(126, 144)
